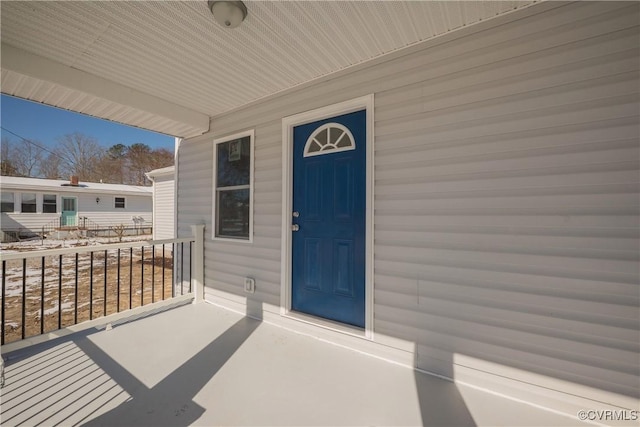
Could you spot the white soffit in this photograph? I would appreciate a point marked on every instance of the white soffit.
(154, 63)
(42, 80)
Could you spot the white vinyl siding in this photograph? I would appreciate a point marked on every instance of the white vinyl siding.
(227, 263)
(164, 207)
(105, 214)
(27, 221)
(102, 214)
(506, 200)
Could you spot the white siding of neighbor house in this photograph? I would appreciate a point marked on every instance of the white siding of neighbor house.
(164, 207)
(506, 201)
(30, 221)
(106, 214)
(103, 213)
(27, 221)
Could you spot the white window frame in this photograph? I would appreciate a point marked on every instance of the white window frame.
(214, 213)
(43, 203)
(13, 196)
(115, 200)
(35, 202)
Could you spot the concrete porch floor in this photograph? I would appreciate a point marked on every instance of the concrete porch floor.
(202, 365)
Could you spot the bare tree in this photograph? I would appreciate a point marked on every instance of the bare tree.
(160, 158)
(7, 168)
(51, 167)
(113, 165)
(81, 155)
(139, 158)
(27, 157)
(119, 231)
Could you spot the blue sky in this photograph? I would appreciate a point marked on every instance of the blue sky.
(42, 123)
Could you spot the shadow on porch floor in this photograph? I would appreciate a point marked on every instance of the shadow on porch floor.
(203, 365)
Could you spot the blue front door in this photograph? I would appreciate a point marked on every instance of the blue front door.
(329, 212)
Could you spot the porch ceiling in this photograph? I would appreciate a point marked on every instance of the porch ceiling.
(168, 67)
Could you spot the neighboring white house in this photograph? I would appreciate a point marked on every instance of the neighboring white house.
(497, 169)
(29, 204)
(164, 191)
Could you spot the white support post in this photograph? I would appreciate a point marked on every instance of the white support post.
(198, 262)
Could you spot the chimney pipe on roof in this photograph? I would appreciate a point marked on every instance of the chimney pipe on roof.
(74, 180)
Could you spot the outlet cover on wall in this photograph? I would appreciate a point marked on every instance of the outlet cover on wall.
(249, 285)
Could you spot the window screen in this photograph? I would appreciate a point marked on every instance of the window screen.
(120, 202)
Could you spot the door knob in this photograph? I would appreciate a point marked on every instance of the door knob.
(295, 214)
(295, 227)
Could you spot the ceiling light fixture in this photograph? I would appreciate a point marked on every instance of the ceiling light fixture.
(229, 14)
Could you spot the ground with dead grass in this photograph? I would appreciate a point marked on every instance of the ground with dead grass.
(58, 292)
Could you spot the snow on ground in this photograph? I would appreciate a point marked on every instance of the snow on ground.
(38, 244)
(60, 292)
(66, 306)
(33, 276)
(13, 285)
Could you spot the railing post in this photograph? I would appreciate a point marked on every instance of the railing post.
(198, 262)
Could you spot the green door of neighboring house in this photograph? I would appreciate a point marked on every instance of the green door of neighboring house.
(69, 211)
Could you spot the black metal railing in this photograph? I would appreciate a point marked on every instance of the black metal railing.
(17, 234)
(52, 225)
(9, 236)
(86, 224)
(47, 290)
(87, 227)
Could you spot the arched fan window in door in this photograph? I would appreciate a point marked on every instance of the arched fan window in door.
(329, 138)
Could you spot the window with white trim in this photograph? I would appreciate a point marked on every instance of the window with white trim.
(233, 187)
(49, 203)
(120, 203)
(28, 202)
(7, 203)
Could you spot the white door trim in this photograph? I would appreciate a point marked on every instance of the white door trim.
(288, 123)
